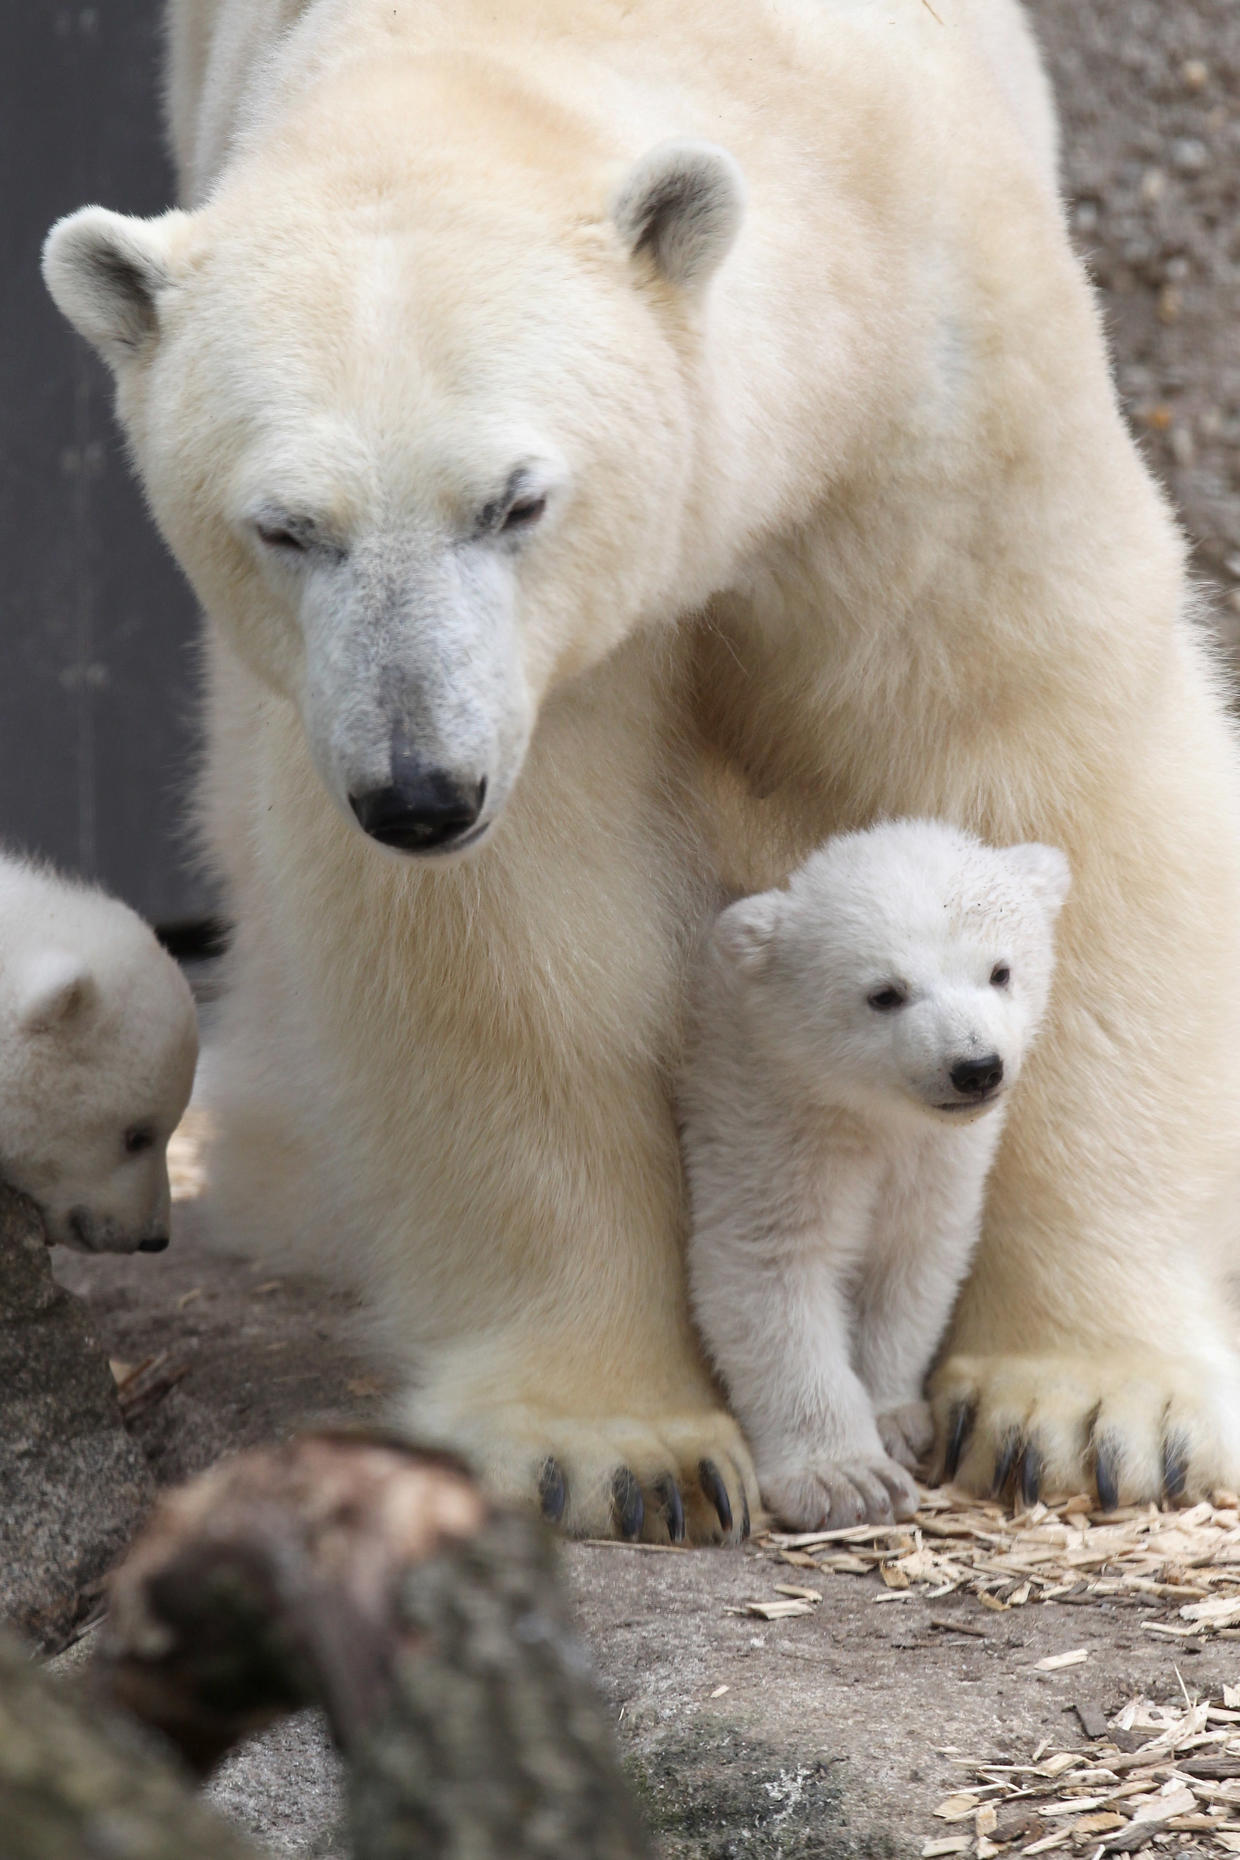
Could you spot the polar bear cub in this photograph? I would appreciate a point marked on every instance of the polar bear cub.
(98, 1042)
(854, 1042)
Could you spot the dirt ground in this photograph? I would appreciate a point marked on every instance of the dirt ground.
(829, 1733)
(1149, 94)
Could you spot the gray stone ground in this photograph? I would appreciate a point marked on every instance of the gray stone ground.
(828, 1739)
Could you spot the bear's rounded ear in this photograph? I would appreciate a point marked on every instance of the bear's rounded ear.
(1045, 870)
(56, 990)
(681, 204)
(745, 931)
(106, 273)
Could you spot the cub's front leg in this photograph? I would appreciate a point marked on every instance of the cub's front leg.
(774, 1311)
(926, 1231)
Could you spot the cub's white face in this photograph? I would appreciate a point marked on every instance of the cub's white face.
(907, 967)
(423, 450)
(98, 1065)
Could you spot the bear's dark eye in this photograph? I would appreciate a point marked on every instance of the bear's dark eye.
(524, 513)
(274, 536)
(1000, 975)
(884, 1000)
(139, 1137)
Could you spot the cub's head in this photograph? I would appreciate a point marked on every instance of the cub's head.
(907, 966)
(98, 1061)
(414, 401)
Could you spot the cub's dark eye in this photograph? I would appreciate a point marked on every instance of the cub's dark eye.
(139, 1137)
(1000, 975)
(523, 514)
(885, 1000)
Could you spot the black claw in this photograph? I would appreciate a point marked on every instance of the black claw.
(1106, 1473)
(627, 1497)
(1175, 1465)
(668, 1493)
(716, 1491)
(1030, 1473)
(1009, 1453)
(552, 1491)
(959, 1428)
(745, 1522)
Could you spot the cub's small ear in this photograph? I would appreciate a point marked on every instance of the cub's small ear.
(745, 931)
(1045, 870)
(106, 274)
(681, 204)
(56, 990)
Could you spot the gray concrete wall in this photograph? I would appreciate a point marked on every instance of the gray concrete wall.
(95, 621)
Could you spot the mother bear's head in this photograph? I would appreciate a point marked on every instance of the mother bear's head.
(425, 433)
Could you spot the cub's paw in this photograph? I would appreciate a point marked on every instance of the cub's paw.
(907, 1432)
(1132, 1426)
(684, 1479)
(829, 1495)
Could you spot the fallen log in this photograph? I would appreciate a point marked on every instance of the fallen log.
(351, 1572)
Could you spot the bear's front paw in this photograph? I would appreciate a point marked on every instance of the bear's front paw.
(907, 1432)
(829, 1495)
(1133, 1426)
(683, 1478)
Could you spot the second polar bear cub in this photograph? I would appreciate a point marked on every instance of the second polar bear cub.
(855, 1038)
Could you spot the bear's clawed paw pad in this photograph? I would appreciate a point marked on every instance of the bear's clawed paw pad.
(686, 1480)
(1133, 1428)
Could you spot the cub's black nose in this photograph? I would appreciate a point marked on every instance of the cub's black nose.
(154, 1243)
(977, 1076)
(421, 809)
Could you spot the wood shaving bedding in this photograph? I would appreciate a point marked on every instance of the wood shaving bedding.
(1183, 1565)
(1177, 1792)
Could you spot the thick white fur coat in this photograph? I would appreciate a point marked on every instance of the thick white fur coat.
(842, 523)
(853, 1044)
(98, 1040)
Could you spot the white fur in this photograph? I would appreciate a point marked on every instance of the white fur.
(836, 1172)
(98, 1041)
(851, 528)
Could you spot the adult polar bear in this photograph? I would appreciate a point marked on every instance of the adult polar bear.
(500, 437)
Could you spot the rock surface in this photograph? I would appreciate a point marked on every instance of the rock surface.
(818, 1738)
(73, 1485)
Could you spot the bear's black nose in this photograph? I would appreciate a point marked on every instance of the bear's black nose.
(421, 809)
(976, 1077)
(154, 1243)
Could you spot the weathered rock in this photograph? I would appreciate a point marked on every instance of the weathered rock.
(73, 1485)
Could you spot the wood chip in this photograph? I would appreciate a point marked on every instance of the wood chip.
(775, 1611)
(957, 1807)
(1055, 1661)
